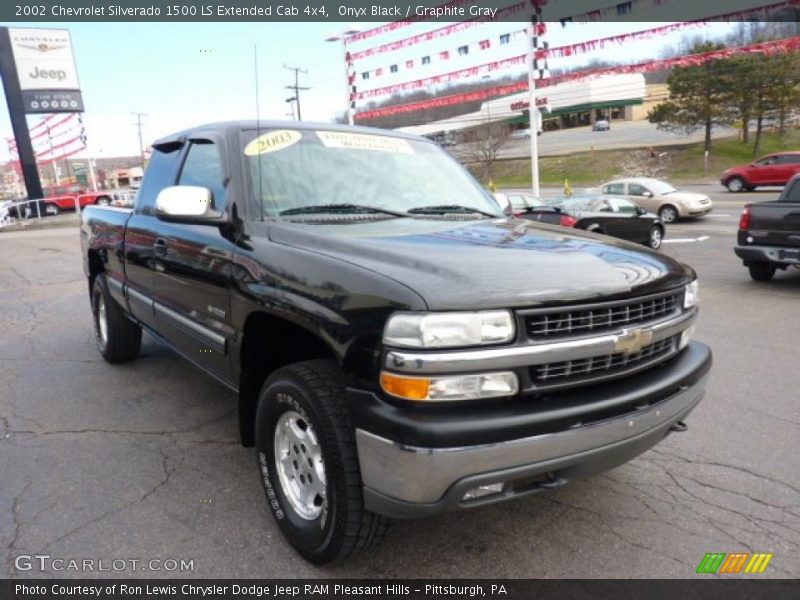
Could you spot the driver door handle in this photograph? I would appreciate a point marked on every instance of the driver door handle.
(160, 246)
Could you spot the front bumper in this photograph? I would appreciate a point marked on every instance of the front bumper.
(699, 211)
(408, 480)
(770, 254)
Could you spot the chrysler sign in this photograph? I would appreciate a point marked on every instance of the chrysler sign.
(46, 70)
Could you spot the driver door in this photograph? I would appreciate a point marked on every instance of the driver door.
(638, 194)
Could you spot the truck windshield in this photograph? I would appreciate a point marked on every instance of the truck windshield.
(302, 168)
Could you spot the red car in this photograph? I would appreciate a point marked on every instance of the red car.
(59, 199)
(773, 169)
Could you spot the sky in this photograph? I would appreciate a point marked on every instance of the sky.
(181, 75)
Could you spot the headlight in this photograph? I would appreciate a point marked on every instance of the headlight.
(448, 330)
(691, 296)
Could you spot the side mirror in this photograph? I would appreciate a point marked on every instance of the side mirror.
(640, 211)
(187, 204)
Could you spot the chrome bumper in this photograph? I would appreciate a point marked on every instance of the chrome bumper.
(404, 481)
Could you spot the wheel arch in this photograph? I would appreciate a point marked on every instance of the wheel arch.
(258, 358)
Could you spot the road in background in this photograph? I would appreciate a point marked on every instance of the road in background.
(623, 134)
(142, 460)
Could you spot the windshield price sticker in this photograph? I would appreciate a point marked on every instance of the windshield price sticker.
(360, 141)
(272, 142)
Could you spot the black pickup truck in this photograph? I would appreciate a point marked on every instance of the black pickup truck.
(398, 345)
(769, 234)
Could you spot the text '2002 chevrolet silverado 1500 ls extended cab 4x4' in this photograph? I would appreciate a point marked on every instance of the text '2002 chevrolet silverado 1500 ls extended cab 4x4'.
(399, 347)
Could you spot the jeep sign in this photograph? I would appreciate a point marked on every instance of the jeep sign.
(44, 59)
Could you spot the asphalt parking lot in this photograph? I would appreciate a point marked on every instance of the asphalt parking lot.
(142, 460)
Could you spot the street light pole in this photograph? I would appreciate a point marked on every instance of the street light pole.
(533, 116)
(335, 37)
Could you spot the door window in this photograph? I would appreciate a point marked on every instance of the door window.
(789, 159)
(614, 188)
(634, 189)
(203, 167)
(793, 195)
(160, 173)
(766, 161)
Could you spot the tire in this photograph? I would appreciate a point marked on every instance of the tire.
(761, 271)
(668, 213)
(736, 185)
(655, 237)
(302, 412)
(118, 338)
(103, 201)
(51, 209)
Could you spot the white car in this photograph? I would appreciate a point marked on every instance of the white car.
(601, 125)
(521, 134)
(669, 203)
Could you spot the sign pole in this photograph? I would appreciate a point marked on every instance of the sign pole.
(16, 112)
(533, 115)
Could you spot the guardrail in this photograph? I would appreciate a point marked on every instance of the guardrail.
(25, 211)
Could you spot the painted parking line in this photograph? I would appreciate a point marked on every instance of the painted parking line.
(702, 238)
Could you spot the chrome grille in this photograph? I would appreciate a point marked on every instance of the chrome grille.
(580, 321)
(600, 366)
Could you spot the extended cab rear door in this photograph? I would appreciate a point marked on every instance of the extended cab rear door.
(778, 223)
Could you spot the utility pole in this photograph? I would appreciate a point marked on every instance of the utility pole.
(296, 87)
(138, 125)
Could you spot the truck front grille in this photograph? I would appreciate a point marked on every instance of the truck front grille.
(549, 324)
(596, 367)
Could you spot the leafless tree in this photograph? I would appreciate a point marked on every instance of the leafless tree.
(484, 147)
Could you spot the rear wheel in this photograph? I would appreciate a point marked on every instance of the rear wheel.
(309, 463)
(668, 214)
(655, 238)
(761, 271)
(735, 184)
(118, 338)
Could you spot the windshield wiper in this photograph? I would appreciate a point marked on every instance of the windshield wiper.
(340, 208)
(443, 209)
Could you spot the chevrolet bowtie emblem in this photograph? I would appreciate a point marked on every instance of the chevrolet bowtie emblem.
(631, 341)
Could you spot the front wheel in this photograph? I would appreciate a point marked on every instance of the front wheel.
(761, 271)
(103, 201)
(309, 464)
(655, 238)
(51, 209)
(668, 214)
(735, 184)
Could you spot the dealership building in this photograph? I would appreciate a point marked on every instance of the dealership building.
(571, 104)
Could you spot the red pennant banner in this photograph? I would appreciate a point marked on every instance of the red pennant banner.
(767, 48)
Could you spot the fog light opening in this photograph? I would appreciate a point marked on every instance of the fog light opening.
(484, 490)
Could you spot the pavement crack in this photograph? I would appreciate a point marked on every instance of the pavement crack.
(17, 523)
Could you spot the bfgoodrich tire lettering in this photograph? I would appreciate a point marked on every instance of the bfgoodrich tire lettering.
(313, 392)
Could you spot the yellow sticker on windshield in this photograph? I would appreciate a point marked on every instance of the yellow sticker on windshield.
(272, 142)
(361, 141)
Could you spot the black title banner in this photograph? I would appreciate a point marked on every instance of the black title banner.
(409, 589)
(355, 11)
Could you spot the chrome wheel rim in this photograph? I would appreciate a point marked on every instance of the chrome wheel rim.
(668, 215)
(102, 201)
(301, 469)
(50, 210)
(655, 238)
(102, 322)
(735, 185)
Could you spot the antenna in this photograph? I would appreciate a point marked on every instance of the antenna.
(296, 87)
(258, 134)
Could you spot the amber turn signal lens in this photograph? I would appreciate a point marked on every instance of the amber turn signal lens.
(410, 388)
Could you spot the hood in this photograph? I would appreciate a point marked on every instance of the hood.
(498, 263)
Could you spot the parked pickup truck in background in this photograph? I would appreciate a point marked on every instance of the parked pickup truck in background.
(59, 200)
(769, 234)
(399, 346)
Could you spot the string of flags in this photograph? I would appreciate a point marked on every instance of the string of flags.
(765, 48)
(442, 55)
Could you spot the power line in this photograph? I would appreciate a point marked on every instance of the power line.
(296, 87)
